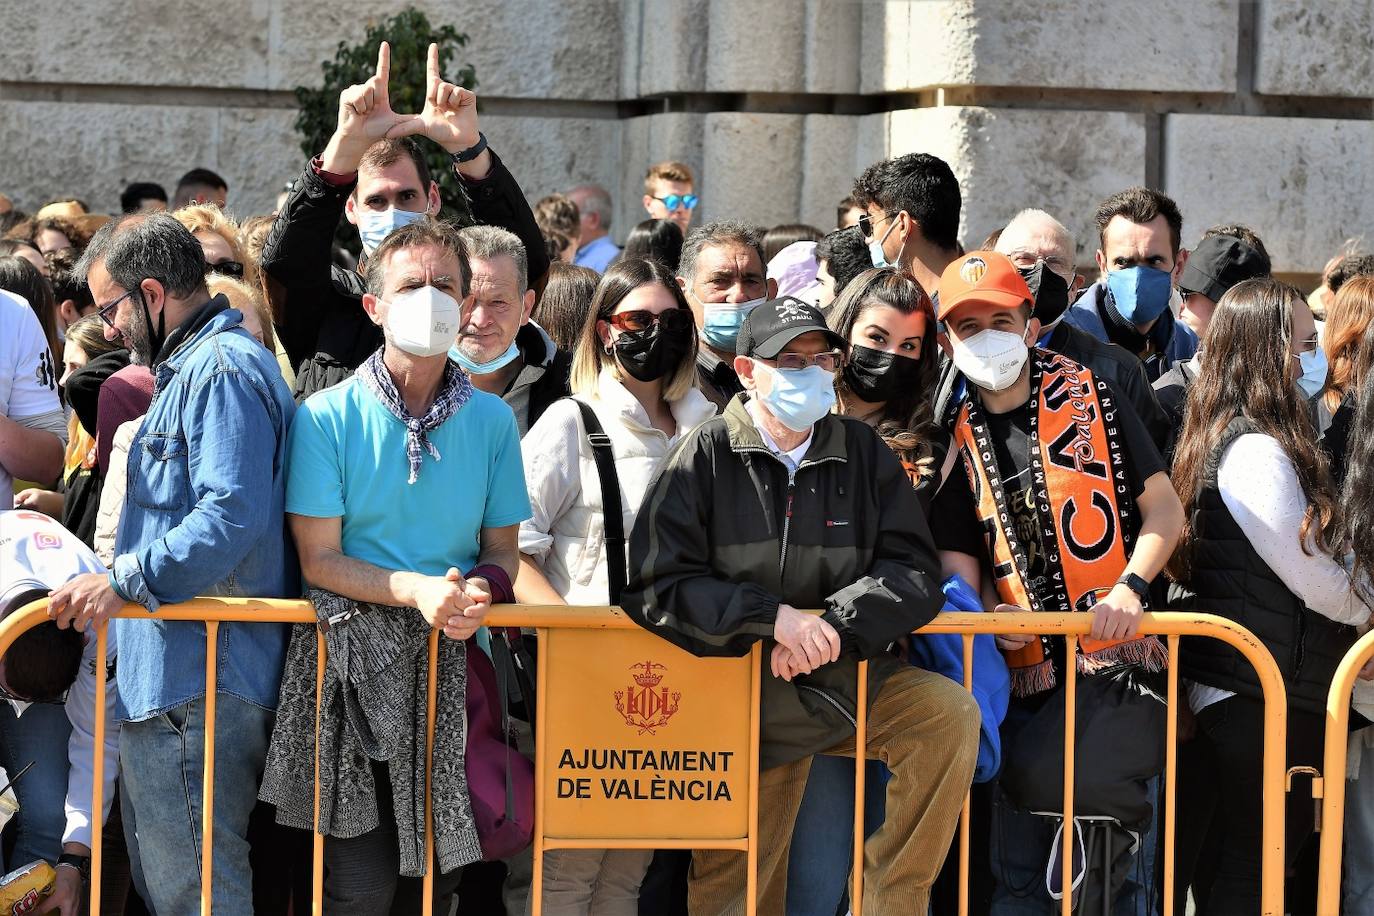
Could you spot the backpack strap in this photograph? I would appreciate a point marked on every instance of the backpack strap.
(613, 515)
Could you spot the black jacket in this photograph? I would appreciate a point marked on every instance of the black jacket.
(318, 305)
(725, 535)
(1229, 578)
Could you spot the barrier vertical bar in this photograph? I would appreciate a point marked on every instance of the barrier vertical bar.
(317, 838)
(856, 897)
(207, 790)
(1333, 773)
(1171, 778)
(431, 699)
(966, 814)
(1067, 837)
(751, 898)
(98, 764)
(541, 664)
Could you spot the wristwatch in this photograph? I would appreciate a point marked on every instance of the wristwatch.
(82, 864)
(472, 152)
(1135, 584)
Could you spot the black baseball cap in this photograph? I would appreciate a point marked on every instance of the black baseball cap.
(1218, 263)
(776, 323)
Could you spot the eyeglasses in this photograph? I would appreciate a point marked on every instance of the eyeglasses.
(866, 223)
(673, 201)
(227, 269)
(106, 312)
(830, 360)
(642, 320)
(1026, 260)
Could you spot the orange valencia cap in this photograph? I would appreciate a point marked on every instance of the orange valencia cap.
(983, 277)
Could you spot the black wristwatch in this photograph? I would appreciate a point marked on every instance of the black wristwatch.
(1135, 584)
(472, 152)
(82, 864)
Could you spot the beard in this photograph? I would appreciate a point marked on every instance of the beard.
(139, 337)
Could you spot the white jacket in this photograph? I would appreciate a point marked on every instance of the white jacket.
(566, 535)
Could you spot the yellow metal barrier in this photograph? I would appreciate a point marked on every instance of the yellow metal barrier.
(1333, 773)
(213, 611)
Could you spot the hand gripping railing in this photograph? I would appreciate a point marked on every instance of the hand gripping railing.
(213, 611)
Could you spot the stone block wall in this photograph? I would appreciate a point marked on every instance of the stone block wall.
(1260, 111)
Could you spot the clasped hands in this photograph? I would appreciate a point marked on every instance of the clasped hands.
(455, 605)
(805, 642)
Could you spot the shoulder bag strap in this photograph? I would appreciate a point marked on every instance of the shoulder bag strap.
(613, 518)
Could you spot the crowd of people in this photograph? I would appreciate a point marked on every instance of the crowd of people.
(718, 428)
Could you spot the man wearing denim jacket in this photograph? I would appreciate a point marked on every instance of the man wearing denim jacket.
(203, 516)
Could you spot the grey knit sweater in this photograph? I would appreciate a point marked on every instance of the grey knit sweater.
(373, 708)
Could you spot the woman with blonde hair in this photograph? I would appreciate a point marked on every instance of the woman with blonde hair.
(218, 235)
(633, 374)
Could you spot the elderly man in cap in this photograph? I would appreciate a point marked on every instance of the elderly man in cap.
(778, 505)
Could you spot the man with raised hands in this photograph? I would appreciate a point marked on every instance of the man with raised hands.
(374, 174)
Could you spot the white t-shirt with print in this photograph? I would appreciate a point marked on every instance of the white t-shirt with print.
(28, 378)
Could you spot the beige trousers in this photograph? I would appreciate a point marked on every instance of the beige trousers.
(925, 728)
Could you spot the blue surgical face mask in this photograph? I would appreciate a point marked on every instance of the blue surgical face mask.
(1140, 294)
(721, 321)
(798, 397)
(875, 248)
(491, 365)
(373, 226)
(1313, 378)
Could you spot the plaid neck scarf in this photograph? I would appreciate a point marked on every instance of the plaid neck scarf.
(454, 392)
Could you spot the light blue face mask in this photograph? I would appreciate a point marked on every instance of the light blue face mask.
(722, 321)
(491, 365)
(1313, 378)
(875, 248)
(374, 226)
(1140, 294)
(799, 397)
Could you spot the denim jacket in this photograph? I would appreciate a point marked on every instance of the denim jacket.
(203, 515)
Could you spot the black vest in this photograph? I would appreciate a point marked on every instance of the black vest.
(1229, 579)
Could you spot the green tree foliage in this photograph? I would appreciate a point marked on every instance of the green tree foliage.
(410, 34)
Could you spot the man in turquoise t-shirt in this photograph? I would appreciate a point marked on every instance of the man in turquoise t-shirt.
(405, 488)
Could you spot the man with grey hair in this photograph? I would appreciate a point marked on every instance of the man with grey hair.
(504, 352)
(1043, 249)
(596, 249)
(723, 273)
(206, 485)
(405, 492)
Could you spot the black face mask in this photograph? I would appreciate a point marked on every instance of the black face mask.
(1050, 290)
(876, 376)
(652, 354)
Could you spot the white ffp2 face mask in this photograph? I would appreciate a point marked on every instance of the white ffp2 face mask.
(424, 321)
(991, 359)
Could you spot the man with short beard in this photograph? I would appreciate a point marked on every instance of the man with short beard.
(204, 516)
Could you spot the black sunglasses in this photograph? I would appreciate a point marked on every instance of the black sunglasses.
(227, 269)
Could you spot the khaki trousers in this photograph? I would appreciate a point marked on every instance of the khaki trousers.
(925, 728)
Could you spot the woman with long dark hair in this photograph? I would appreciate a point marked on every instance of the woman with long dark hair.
(1261, 545)
(889, 379)
(633, 380)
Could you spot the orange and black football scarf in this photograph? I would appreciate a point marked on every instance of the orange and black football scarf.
(1084, 505)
